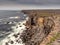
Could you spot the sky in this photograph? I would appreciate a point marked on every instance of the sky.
(39, 2)
(29, 4)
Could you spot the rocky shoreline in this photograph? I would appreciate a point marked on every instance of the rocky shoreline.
(36, 30)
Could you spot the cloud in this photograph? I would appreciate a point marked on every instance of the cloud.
(30, 1)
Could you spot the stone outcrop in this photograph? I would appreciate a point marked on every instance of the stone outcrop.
(39, 27)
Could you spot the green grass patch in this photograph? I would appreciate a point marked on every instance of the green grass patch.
(56, 36)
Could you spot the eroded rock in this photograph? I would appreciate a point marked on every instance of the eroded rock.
(40, 28)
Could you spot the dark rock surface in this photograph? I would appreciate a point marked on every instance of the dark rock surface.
(37, 31)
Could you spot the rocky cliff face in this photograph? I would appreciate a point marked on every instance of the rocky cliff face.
(38, 27)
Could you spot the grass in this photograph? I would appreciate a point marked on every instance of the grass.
(56, 36)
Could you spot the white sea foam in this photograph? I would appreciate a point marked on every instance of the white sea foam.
(16, 17)
(18, 28)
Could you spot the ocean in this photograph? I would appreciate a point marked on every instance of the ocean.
(9, 18)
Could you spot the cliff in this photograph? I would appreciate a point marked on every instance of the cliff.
(41, 23)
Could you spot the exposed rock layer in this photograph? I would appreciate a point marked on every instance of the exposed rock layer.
(39, 28)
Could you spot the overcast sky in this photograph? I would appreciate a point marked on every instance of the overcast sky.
(40, 2)
(28, 4)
